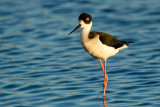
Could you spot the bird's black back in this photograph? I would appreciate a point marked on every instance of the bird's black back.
(108, 39)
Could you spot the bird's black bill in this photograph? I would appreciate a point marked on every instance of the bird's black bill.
(75, 29)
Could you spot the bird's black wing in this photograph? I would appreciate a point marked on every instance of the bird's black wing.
(109, 40)
(92, 35)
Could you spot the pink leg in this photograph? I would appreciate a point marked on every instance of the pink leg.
(105, 76)
(101, 64)
(105, 79)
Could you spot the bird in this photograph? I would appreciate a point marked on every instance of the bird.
(98, 44)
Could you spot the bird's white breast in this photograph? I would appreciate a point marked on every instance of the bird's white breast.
(95, 48)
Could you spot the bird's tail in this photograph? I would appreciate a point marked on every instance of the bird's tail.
(127, 43)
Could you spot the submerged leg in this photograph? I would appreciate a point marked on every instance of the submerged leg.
(104, 101)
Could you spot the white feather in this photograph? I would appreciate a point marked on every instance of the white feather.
(94, 46)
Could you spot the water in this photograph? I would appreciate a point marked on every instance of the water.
(42, 67)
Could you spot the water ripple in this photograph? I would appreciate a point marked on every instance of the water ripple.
(40, 66)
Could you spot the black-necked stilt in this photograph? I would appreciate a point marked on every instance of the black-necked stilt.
(98, 44)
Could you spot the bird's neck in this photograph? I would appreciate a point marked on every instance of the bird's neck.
(85, 32)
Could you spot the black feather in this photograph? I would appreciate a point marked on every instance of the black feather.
(108, 39)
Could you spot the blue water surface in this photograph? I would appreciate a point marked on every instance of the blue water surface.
(40, 66)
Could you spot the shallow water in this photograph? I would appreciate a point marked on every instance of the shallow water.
(42, 67)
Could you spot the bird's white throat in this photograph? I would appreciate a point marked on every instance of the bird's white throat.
(85, 30)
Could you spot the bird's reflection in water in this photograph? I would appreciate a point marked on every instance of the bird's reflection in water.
(104, 101)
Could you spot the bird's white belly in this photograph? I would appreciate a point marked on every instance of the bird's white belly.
(96, 49)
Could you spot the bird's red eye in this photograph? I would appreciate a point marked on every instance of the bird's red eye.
(87, 20)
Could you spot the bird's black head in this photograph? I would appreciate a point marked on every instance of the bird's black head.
(87, 18)
(85, 21)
